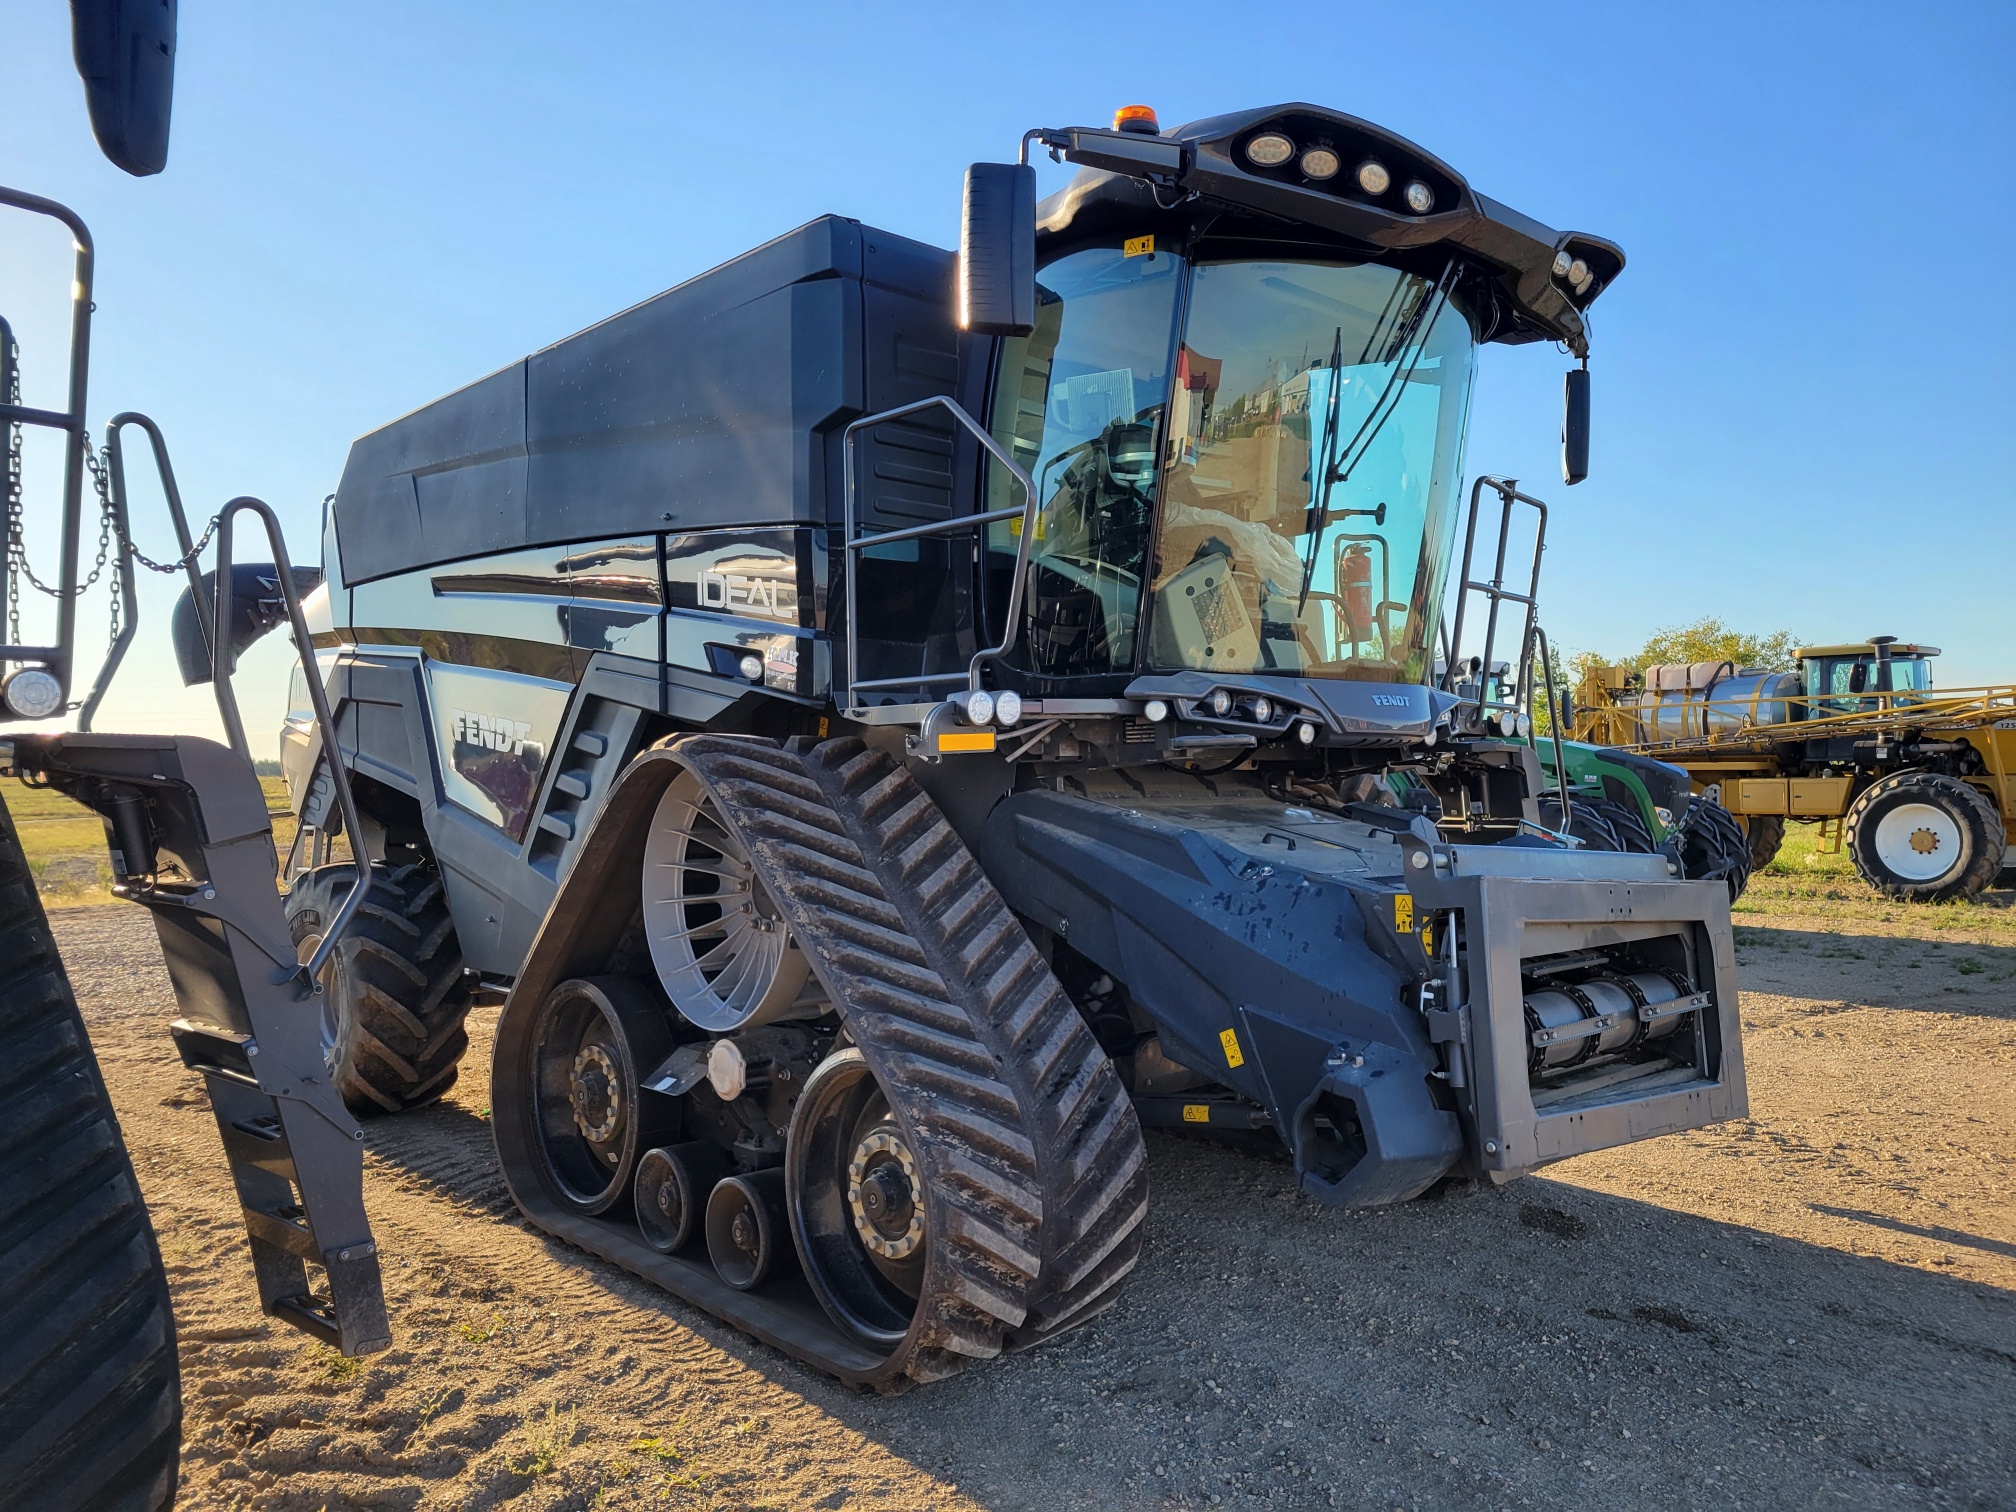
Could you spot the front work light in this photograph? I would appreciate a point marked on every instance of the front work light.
(1320, 163)
(1373, 177)
(751, 667)
(1219, 703)
(1155, 711)
(33, 693)
(1263, 710)
(979, 707)
(1306, 733)
(1269, 150)
(1420, 198)
(1008, 705)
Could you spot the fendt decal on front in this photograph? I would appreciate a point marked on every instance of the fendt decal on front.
(489, 732)
(493, 730)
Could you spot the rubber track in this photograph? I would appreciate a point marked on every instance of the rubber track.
(402, 960)
(1032, 1149)
(90, 1389)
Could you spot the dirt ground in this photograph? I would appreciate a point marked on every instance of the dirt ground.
(1814, 1306)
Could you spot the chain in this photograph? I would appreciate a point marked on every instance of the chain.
(16, 566)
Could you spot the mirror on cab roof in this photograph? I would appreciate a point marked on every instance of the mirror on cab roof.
(125, 51)
(1575, 426)
(997, 250)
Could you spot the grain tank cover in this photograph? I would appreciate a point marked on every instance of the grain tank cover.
(709, 405)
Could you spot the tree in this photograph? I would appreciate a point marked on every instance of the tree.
(1707, 639)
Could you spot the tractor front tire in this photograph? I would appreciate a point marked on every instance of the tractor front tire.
(1923, 837)
(90, 1390)
(1713, 846)
(394, 996)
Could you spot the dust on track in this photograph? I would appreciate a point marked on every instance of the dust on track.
(1815, 1306)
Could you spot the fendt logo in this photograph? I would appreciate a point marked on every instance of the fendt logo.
(490, 731)
(1390, 700)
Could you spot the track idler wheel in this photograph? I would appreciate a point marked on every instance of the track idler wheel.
(748, 1234)
(593, 1040)
(857, 1181)
(672, 1189)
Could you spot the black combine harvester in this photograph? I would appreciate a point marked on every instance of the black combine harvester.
(870, 816)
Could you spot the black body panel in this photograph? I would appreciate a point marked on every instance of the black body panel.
(718, 403)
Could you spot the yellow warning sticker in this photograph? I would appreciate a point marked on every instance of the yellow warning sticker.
(1196, 1113)
(1138, 246)
(1403, 912)
(952, 741)
(823, 725)
(1234, 1056)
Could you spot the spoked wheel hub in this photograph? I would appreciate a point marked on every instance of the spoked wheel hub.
(856, 1192)
(718, 940)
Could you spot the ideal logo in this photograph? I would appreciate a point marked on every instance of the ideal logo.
(489, 731)
(735, 592)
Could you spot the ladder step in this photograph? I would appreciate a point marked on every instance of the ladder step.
(208, 1048)
(282, 1233)
(554, 824)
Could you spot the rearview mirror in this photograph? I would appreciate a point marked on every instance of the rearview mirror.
(125, 51)
(997, 250)
(1575, 426)
(257, 605)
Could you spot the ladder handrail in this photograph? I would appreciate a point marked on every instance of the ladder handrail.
(325, 722)
(844, 697)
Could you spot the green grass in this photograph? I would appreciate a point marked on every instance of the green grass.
(1803, 880)
(55, 829)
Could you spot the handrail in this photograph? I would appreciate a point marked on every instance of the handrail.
(1027, 513)
(1495, 590)
(70, 421)
(325, 722)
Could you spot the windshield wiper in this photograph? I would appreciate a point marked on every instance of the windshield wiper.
(1426, 313)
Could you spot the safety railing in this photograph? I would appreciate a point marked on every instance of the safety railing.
(851, 686)
(1497, 595)
(70, 420)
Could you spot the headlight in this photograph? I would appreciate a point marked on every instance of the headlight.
(1155, 711)
(1008, 708)
(33, 693)
(1420, 198)
(1262, 710)
(1562, 263)
(751, 667)
(1373, 177)
(1270, 149)
(1525, 726)
(1219, 703)
(979, 707)
(1320, 163)
(1578, 272)
(1306, 733)
(1508, 722)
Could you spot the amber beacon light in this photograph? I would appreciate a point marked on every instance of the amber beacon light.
(1139, 118)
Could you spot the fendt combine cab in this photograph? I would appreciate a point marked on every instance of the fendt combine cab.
(871, 814)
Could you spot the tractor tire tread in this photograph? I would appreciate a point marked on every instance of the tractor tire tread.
(90, 1387)
(1973, 808)
(403, 1027)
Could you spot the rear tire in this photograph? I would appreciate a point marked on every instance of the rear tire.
(90, 1391)
(395, 995)
(1765, 833)
(1599, 824)
(1923, 837)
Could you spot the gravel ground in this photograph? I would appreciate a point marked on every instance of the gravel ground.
(1815, 1306)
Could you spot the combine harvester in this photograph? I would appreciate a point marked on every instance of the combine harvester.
(1919, 785)
(870, 816)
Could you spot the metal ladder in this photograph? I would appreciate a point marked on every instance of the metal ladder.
(252, 1013)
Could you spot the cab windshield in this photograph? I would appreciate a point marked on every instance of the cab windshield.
(1272, 492)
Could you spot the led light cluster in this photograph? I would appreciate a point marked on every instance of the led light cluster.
(1271, 149)
(1004, 708)
(1575, 272)
(1220, 703)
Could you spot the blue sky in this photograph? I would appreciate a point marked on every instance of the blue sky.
(1803, 383)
